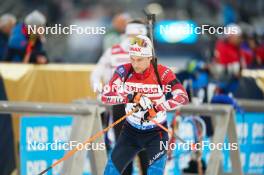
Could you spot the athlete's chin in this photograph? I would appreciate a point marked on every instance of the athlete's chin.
(138, 70)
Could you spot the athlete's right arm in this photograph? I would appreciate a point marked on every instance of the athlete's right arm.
(113, 92)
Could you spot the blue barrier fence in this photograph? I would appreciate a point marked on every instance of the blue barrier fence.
(40, 130)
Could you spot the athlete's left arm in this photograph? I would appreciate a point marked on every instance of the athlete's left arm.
(179, 94)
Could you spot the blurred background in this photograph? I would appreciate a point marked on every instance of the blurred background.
(74, 49)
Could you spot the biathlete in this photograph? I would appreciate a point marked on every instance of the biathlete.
(148, 83)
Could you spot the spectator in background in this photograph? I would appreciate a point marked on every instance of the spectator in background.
(252, 52)
(227, 50)
(260, 53)
(113, 36)
(7, 22)
(248, 51)
(26, 46)
(227, 61)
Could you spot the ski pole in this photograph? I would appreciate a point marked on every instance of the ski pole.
(167, 130)
(91, 139)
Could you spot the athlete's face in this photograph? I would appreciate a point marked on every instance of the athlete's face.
(140, 64)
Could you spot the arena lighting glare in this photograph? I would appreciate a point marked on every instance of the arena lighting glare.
(169, 31)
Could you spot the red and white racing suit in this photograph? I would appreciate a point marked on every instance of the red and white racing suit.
(108, 62)
(117, 90)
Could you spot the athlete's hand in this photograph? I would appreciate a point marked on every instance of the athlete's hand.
(150, 114)
(134, 106)
(145, 103)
